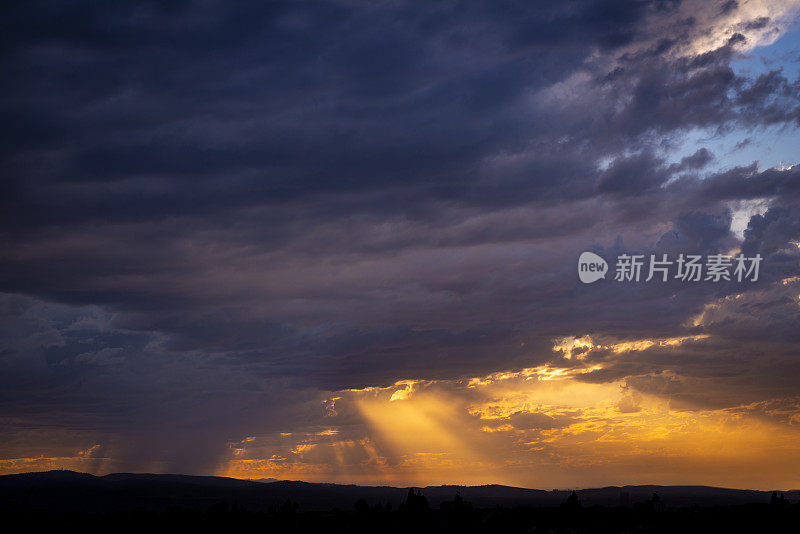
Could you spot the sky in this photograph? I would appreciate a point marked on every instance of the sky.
(337, 241)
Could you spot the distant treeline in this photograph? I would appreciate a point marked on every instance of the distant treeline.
(414, 515)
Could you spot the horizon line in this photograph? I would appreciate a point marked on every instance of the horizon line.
(272, 480)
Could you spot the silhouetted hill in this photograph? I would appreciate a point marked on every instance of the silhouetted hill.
(67, 491)
(180, 479)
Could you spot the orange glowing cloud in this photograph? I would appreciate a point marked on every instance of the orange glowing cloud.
(538, 427)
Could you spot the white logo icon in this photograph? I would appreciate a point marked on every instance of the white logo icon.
(591, 267)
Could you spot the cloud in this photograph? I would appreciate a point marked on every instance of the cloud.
(217, 218)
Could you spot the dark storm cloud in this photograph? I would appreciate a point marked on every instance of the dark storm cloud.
(727, 7)
(299, 100)
(264, 198)
(286, 101)
(747, 182)
(698, 160)
(625, 176)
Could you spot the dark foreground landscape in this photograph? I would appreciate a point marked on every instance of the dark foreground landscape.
(148, 502)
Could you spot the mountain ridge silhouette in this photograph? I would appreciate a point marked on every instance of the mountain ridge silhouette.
(65, 490)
